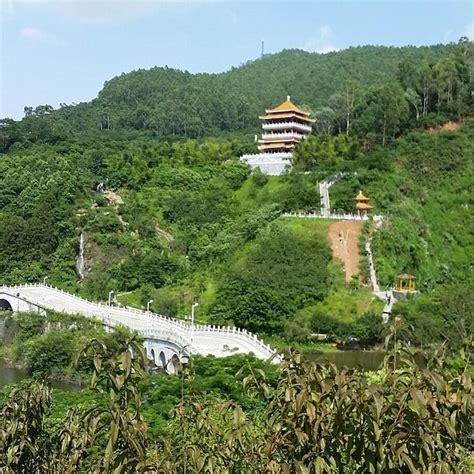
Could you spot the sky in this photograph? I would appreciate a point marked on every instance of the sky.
(62, 51)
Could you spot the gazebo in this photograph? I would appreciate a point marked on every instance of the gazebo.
(405, 283)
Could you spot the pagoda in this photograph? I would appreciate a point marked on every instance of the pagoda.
(362, 204)
(283, 127)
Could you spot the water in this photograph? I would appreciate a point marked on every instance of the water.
(368, 360)
(81, 260)
(10, 375)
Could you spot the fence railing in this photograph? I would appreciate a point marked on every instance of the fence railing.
(348, 217)
(269, 156)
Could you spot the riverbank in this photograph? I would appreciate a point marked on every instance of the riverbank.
(38, 346)
(13, 374)
(282, 345)
(368, 359)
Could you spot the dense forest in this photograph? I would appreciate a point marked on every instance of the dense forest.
(336, 87)
(177, 218)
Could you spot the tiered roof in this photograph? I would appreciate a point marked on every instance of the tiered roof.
(280, 144)
(406, 276)
(286, 110)
(362, 202)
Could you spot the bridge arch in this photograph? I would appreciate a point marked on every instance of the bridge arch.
(5, 305)
(164, 354)
(161, 362)
(172, 366)
(13, 302)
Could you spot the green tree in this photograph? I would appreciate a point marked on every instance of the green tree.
(261, 310)
(381, 113)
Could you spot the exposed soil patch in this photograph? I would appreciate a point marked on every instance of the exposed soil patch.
(446, 127)
(344, 238)
(450, 126)
(113, 198)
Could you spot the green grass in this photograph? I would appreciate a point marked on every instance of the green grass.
(249, 195)
(131, 298)
(281, 344)
(317, 228)
(347, 305)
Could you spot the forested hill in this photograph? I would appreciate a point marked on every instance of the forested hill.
(200, 103)
(183, 220)
(166, 101)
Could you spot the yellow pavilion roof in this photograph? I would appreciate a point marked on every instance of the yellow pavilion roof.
(406, 276)
(363, 205)
(361, 197)
(287, 106)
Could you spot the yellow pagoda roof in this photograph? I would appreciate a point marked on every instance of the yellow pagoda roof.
(363, 205)
(287, 106)
(284, 114)
(361, 197)
(277, 145)
(279, 140)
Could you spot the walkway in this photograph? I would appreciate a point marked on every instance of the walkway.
(200, 339)
(386, 296)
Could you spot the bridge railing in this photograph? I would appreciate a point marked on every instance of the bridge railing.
(149, 321)
(348, 217)
(317, 215)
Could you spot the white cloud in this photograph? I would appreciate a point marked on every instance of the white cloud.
(36, 34)
(322, 43)
(469, 31)
(325, 31)
(108, 11)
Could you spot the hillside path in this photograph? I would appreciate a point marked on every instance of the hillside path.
(344, 238)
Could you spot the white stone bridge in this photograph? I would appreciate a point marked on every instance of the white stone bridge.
(167, 340)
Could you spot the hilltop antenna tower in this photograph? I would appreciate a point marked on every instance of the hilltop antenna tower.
(263, 49)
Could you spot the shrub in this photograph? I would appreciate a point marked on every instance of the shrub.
(49, 352)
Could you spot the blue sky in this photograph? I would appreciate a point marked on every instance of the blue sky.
(64, 50)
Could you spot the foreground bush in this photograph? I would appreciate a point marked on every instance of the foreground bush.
(318, 418)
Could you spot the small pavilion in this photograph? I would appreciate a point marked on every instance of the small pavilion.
(362, 204)
(405, 283)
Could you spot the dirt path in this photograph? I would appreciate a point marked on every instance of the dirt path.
(344, 238)
(168, 237)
